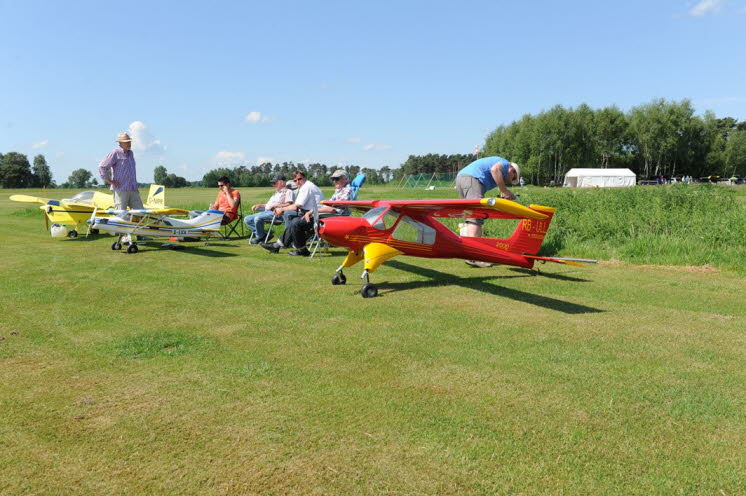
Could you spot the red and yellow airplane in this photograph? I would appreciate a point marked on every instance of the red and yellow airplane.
(409, 227)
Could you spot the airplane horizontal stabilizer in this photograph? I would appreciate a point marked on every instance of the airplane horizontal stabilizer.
(578, 262)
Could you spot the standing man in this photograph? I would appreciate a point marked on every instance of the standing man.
(227, 200)
(117, 170)
(480, 176)
(282, 197)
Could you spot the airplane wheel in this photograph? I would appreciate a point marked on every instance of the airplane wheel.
(94, 231)
(369, 291)
(339, 279)
(116, 246)
(72, 234)
(132, 248)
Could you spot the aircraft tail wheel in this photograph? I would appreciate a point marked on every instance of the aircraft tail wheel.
(116, 246)
(339, 279)
(132, 248)
(369, 291)
(72, 233)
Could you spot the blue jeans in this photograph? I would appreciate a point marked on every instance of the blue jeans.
(255, 222)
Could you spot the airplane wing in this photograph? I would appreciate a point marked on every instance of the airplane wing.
(354, 204)
(150, 211)
(485, 208)
(28, 199)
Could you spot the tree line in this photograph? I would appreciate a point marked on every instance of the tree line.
(657, 138)
(260, 175)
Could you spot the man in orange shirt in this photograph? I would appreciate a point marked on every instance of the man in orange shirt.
(227, 200)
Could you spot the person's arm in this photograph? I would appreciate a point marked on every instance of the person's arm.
(105, 169)
(232, 201)
(497, 175)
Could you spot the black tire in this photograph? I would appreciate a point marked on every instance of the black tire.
(338, 279)
(72, 233)
(369, 291)
(116, 246)
(94, 231)
(132, 248)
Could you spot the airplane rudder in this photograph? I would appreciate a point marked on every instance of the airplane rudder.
(530, 233)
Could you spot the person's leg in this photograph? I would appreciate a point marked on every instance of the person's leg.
(470, 188)
(134, 200)
(301, 231)
(259, 222)
(120, 200)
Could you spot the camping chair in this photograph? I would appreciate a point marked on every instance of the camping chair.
(235, 226)
(276, 221)
(316, 242)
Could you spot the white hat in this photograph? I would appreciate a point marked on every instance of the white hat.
(517, 178)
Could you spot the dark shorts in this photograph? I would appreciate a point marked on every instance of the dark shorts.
(470, 188)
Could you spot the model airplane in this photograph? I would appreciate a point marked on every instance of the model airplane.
(156, 223)
(74, 212)
(409, 227)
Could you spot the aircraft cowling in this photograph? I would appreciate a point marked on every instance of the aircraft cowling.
(340, 231)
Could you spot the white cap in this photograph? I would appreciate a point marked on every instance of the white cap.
(517, 178)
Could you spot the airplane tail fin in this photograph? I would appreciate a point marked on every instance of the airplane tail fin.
(156, 197)
(528, 236)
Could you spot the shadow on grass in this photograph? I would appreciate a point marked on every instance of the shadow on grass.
(483, 284)
(550, 275)
(186, 249)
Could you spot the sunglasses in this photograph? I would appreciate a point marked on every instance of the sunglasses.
(221, 185)
(336, 178)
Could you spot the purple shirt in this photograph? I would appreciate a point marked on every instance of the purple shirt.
(119, 165)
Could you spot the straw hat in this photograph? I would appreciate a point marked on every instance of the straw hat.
(123, 137)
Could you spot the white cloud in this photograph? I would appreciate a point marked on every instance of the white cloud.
(706, 7)
(225, 158)
(257, 118)
(40, 144)
(354, 139)
(372, 146)
(143, 140)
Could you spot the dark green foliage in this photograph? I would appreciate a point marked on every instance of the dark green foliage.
(81, 178)
(261, 175)
(42, 174)
(15, 171)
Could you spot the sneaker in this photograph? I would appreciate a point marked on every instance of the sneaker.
(477, 263)
(270, 247)
(255, 240)
(300, 252)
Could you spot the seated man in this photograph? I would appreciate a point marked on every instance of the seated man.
(227, 201)
(300, 229)
(282, 197)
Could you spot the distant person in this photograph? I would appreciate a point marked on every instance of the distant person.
(227, 201)
(282, 197)
(118, 170)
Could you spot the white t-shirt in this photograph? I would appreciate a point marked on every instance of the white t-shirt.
(308, 195)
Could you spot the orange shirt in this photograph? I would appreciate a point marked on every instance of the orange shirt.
(225, 207)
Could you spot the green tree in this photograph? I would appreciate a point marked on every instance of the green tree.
(80, 178)
(15, 171)
(159, 175)
(735, 154)
(41, 172)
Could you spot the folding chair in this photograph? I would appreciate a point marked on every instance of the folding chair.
(316, 242)
(235, 226)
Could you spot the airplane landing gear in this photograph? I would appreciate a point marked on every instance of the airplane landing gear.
(132, 248)
(368, 290)
(72, 233)
(338, 279)
(116, 246)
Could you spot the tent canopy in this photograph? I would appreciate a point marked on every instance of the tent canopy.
(600, 178)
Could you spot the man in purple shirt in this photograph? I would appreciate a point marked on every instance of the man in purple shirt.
(118, 170)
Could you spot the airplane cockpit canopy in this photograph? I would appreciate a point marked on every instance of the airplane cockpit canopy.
(381, 217)
(82, 197)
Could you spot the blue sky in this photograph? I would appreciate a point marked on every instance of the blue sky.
(202, 84)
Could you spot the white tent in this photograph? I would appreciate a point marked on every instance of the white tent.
(599, 178)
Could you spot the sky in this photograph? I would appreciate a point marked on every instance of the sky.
(205, 84)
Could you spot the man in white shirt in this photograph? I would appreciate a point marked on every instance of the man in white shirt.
(282, 197)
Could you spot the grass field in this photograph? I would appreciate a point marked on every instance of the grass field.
(227, 370)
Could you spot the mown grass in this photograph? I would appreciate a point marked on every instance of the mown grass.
(226, 370)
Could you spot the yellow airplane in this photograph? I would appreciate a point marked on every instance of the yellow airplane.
(74, 212)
